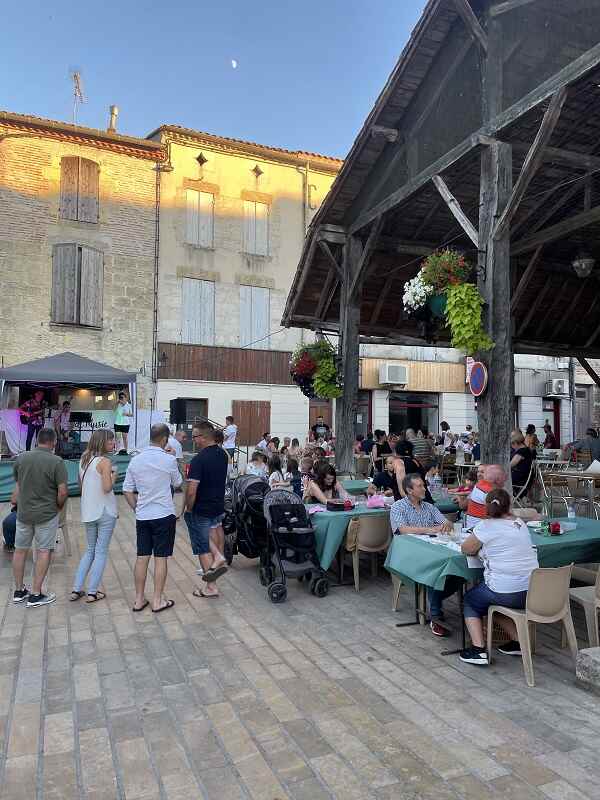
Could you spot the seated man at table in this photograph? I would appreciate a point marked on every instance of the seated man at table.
(490, 476)
(385, 482)
(413, 514)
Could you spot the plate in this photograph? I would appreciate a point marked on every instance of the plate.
(535, 524)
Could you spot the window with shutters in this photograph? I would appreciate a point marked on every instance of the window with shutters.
(200, 220)
(198, 311)
(256, 228)
(77, 285)
(255, 317)
(79, 189)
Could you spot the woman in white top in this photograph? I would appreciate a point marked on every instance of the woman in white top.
(503, 543)
(276, 478)
(98, 512)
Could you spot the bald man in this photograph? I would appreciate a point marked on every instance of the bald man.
(494, 477)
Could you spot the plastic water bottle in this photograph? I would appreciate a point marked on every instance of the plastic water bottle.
(571, 512)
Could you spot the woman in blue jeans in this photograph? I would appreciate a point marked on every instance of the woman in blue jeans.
(503, 543)
(98, 512)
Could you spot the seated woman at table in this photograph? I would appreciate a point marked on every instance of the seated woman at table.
(385, 482)
(380, 450)
(325, 486)
(502, 542)
(357, 447)
(521, 457)
(406, 464)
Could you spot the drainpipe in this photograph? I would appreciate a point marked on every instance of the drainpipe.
(304, 171)
(573, 399)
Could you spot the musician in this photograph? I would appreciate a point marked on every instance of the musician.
(62, 422)
(32, 415)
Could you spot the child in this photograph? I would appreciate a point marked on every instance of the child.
(293, 476)
(276, 479)
(306, 471)
(433, 479)
(257, 465)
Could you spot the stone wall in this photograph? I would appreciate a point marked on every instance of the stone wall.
(30, 226)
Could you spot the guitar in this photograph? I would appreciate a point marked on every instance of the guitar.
(34, 418)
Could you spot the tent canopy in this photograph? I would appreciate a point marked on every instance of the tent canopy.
(66, 368)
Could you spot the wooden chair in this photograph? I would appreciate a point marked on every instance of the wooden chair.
(448, 469)
(547, 602)
(361, 466)
(368, 534)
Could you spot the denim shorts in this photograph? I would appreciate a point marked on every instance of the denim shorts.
(481, 597)
(199, 530)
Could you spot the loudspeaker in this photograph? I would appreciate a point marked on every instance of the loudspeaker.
(177, 409)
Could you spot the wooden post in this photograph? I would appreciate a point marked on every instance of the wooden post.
(346, 406)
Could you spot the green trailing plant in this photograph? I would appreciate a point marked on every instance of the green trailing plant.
(463, 315)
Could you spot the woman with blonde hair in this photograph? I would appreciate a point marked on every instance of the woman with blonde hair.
(98, 513)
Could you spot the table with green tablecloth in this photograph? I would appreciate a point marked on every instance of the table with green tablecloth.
(7, 483)
(420, 561)
(356, 487)
(330, 529)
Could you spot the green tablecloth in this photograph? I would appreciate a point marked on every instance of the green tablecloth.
(421, 561)
(7, 483)
(330, 529)
(356, 487)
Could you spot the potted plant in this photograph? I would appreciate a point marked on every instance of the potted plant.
(440, 270)
(313, 370)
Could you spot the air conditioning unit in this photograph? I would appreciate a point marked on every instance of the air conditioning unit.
(559, 387)
(393, 374)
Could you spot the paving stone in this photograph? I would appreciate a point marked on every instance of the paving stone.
(59, 734)
(90, 714)
(97, 766)
(125, 725)
(138, 777)
(24, 730)
(60, 777)
(20, 778)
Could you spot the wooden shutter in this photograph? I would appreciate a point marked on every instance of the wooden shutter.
(92, 283)
(88, 191)
(191, 229)
(198, 324)
(261, 227)
(65, 283)
(260, 318)
(249, 226)
(245, 315)
(69, 187)
(206, 219)
(253, 418)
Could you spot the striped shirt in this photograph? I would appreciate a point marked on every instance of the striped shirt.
(404, 514)
(476, 510)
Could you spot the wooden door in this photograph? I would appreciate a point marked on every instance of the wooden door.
(320, 408)
(253, 418)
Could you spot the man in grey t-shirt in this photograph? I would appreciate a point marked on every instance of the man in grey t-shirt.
(41, 491)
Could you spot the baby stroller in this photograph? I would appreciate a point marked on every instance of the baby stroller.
(229, 529)
(247, 497)
(291, 548)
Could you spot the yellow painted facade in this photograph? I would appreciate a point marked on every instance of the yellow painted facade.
(423, 376)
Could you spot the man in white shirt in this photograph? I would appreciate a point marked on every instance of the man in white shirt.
(147, 488)
(262, 445)
(229, 433)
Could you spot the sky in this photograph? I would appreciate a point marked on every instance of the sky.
(307, 74)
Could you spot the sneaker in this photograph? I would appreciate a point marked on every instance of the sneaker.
(437, 629)
(20, 595)
(41, 599)
(474, 655)
(510, 649)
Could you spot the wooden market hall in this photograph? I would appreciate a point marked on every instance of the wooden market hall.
(486, 137)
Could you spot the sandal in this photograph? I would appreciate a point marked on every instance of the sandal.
(199, 593)
(168, 604)
(75, 596)
(211, 575)
(95, 596)
(141, 608)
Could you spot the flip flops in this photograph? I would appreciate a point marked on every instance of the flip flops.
(213, 573)
(168, 604)
(95, 596)
(141, 608)
(199, 593)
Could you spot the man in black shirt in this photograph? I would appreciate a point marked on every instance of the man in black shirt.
(320, 429)
(386, 481)
(205, 507)
(368, 443)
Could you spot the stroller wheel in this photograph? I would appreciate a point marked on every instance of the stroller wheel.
(320, 587)
(277, 592)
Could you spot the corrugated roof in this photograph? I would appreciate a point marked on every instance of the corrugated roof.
(299, 154)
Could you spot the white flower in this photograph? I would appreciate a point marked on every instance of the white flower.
(416, 292)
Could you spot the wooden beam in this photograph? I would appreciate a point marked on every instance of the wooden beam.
(593, 338)
(561, 155)
(585, 287)
(383, 294)
(390, 134)
(532, 161)
(330, 299)
(550, 313)
(569, 74)
(334, 234)
(557, 231)
(525, 279)
(428, 217)
(366, 254)
(589, 369)
(568, 194)
(331, 258)
(326, 293)
(467, 15)
(534, 308)
(508, 5)
(531, 211)
(457, 212)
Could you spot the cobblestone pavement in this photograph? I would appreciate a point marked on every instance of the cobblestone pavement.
(239, 698)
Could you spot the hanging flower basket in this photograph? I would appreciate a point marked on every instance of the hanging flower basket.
(437, 305)
(314, 371)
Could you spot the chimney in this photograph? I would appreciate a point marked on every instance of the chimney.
(112, 125)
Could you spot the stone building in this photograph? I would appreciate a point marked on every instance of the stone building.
(77, 244)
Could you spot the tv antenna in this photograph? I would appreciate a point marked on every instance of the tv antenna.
(78, 96)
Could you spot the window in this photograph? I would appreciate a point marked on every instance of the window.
(255, 317)
(77, 285)
(198, 308)
(79, 189)
(200, 224)
(256, 228)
